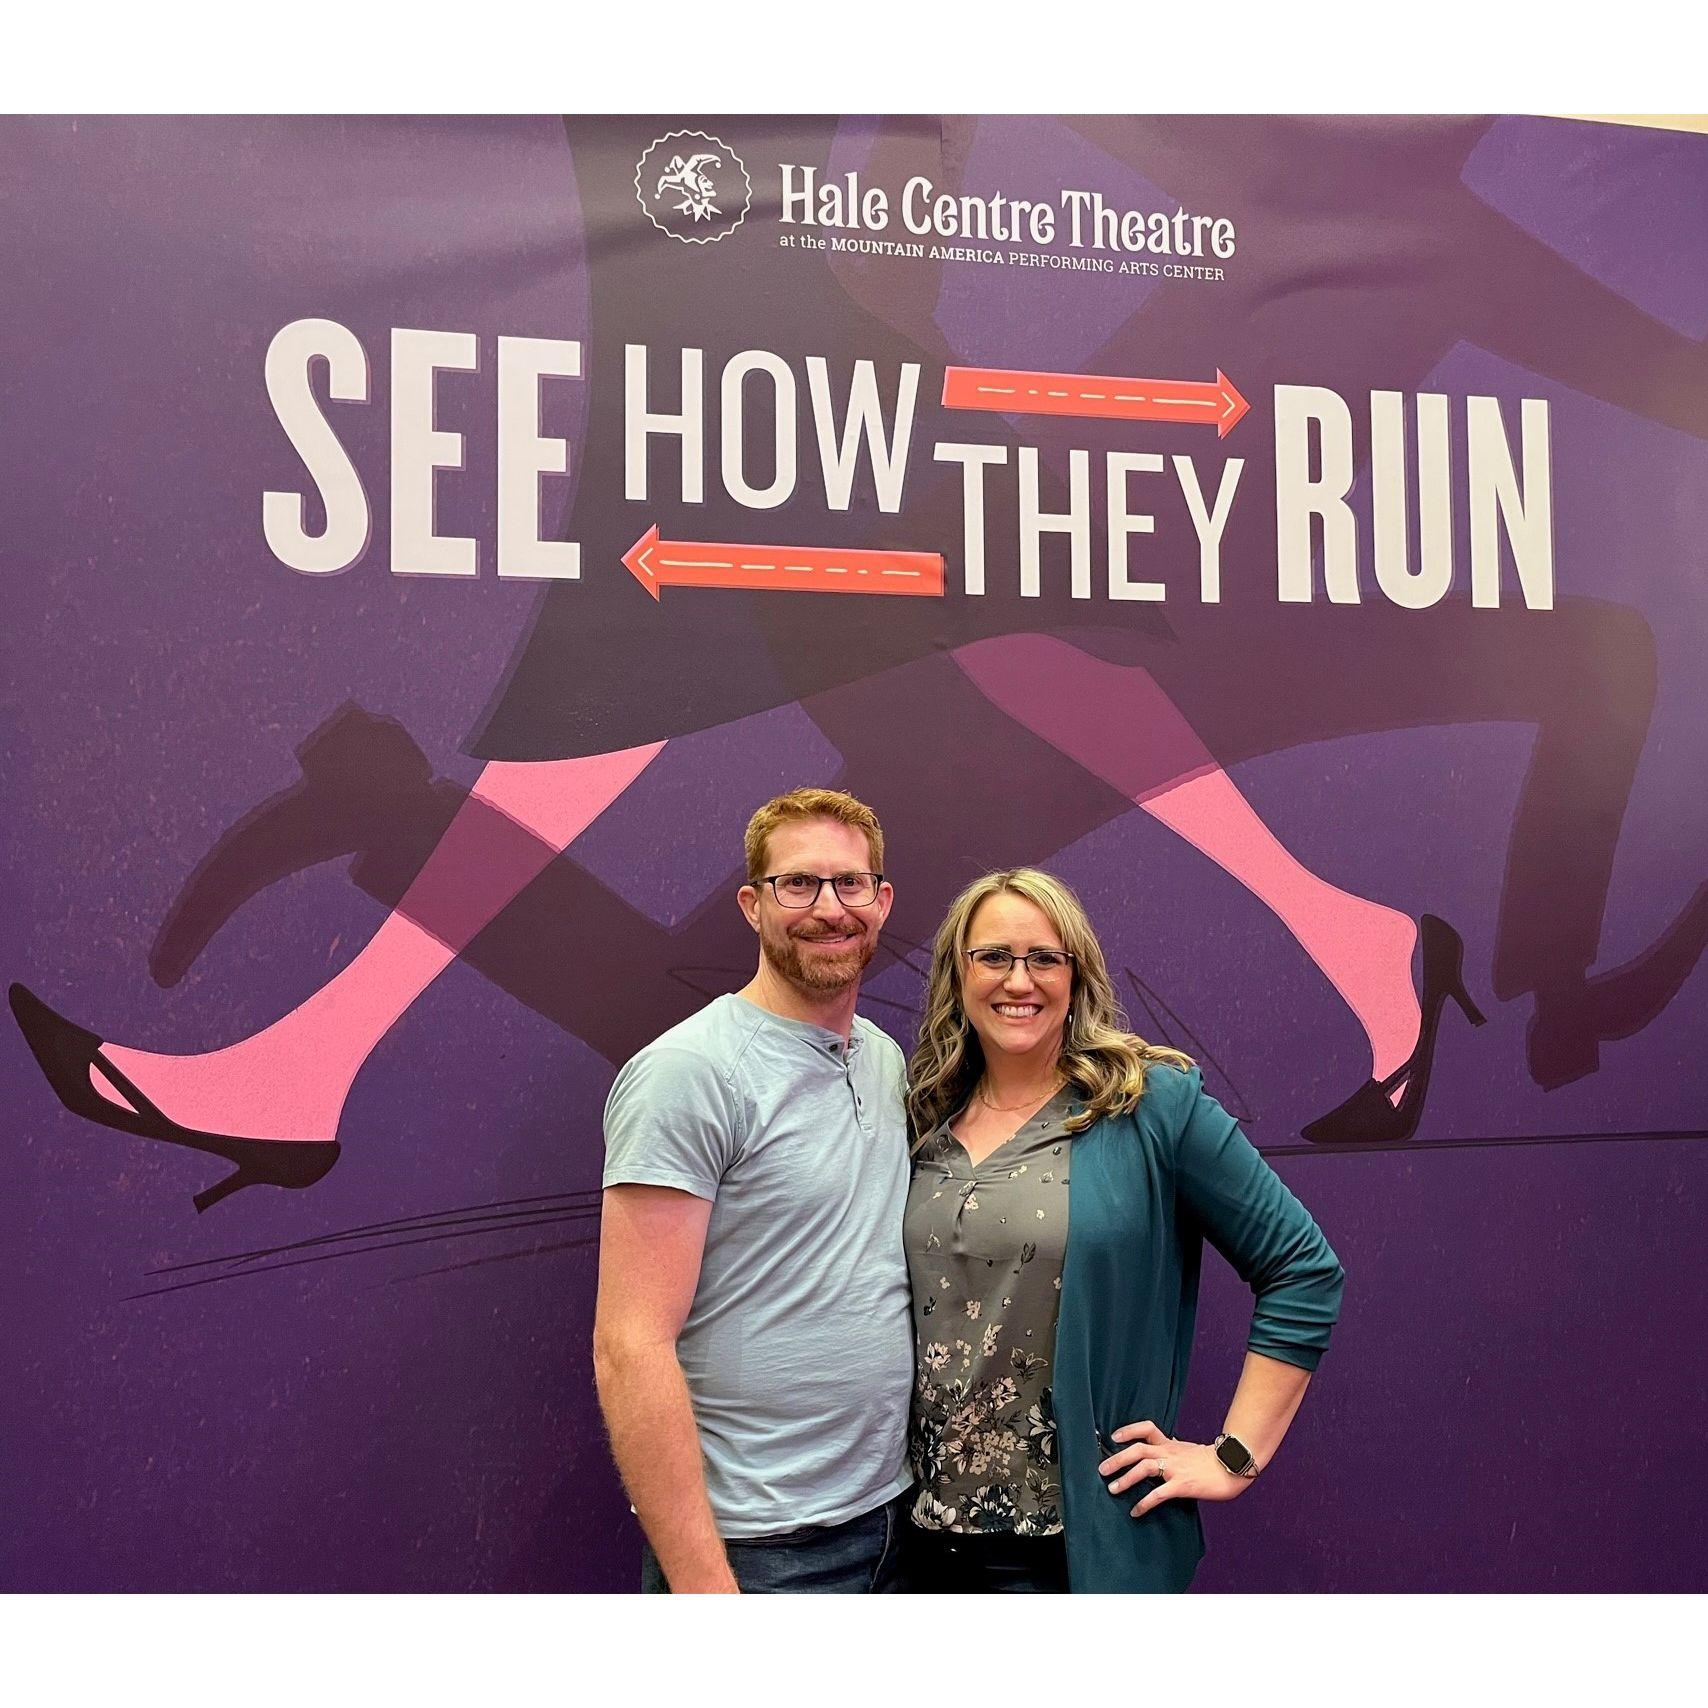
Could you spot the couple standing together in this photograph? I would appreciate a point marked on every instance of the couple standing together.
(834, 1361)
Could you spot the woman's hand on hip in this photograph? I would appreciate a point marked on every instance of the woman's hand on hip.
(1188, 1470)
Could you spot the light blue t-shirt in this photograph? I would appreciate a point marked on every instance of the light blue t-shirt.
(798, 1349)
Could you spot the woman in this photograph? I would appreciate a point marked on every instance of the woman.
(1042, 1437)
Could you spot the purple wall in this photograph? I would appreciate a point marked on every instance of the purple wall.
(251, 1400)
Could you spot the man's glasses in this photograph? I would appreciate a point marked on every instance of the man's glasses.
(802, 889)
(1040, 963)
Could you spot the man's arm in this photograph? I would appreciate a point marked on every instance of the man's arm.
(651, 1239)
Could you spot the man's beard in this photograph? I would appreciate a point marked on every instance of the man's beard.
(819, 972)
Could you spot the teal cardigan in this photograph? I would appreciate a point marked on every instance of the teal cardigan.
(1147, 1189)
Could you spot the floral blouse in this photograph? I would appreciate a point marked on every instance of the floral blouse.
(985, 1244)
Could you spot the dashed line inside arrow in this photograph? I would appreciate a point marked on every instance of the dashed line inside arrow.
(1095, 396)
(793, 568)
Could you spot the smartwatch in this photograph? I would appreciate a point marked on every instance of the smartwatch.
(1235, 1456)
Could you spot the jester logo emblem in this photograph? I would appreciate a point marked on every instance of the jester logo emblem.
(693, 186)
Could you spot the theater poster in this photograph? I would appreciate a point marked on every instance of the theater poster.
(427, 540)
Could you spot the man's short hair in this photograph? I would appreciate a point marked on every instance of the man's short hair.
(799, 805)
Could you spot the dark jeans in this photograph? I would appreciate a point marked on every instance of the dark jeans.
(856, 1557)
(935, 1562)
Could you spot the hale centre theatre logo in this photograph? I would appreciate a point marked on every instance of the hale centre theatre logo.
(693, 186)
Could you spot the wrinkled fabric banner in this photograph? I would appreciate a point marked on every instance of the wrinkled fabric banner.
(428, 540)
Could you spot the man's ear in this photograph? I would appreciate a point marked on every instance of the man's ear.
(747, 898)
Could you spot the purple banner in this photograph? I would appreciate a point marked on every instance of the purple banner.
(1286, 530)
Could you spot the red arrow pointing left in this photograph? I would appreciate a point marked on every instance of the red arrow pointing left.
(657, 563)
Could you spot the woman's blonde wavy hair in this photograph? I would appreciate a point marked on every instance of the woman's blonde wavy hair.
(1101, 1059)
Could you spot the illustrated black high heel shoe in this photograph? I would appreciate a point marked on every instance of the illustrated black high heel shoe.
(1368, 1117)
(1575, 1016)
(362, 777)
(66, 1052)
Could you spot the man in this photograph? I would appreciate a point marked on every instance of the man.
(752, 1342)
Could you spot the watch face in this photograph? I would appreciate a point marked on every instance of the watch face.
(1234, 1455)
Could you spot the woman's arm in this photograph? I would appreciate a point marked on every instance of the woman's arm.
(1264, 1405)
(1245, 1210)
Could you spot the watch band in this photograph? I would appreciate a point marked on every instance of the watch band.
(1250, 1468)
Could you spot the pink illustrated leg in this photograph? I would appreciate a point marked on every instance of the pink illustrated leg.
(1362, 948)
(1116, 722)
(289, 1080)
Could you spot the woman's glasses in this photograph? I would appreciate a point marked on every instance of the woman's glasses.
(1040, 963)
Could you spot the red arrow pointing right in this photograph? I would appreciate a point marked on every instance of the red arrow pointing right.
(1109, 397)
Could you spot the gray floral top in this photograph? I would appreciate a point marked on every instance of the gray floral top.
(985, 1244)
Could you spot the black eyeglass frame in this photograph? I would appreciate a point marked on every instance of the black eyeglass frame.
(993, 949)
(802, 906)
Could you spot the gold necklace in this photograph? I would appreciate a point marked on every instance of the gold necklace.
(1011, 1108)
